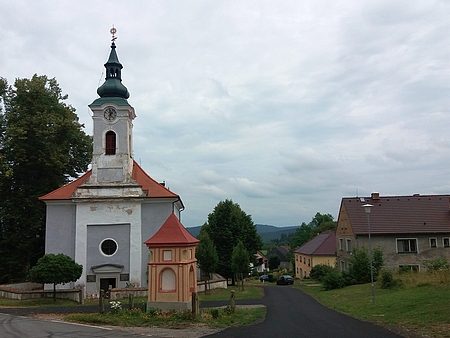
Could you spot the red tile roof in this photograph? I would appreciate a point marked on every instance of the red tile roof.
(149, 185)
(399, 214)
(171, 233)
(324, 244)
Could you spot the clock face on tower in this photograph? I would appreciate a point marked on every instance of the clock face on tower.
(110, 114)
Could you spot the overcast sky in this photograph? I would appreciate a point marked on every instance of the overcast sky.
(284, 107)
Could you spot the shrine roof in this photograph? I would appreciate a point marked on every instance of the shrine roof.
(171, 233)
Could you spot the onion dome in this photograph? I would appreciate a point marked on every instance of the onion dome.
(113, 86)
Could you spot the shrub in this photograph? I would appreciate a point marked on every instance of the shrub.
(319, 271)
(388, 281)
(228, 310)
(215, 313)
(333, 280)
(437, 264)
(359, 269)
(183, 314)
(153, 312)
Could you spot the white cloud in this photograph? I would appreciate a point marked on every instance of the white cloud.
(284, 107)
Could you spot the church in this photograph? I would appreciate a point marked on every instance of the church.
(103, 218)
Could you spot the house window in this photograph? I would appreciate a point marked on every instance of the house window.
(309, 262)
(110, 148)
(167, 255)
(349, 245)
(407, 268)
(300, 259)
(406, 245)
(341, 244)
(446, 242)
(342, 266)
(433, 242)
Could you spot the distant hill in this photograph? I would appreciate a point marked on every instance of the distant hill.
(267, 232)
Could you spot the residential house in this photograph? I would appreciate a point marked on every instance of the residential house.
(319, 250)
(283, 254)
(410, 230)
(260, 262)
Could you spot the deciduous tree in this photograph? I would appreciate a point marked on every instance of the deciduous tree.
(227, 225)
(55, 269)
(206, 255)
(240, 261)
(274, 262)
(42, 147)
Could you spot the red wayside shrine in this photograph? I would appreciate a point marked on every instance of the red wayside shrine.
(172, 269)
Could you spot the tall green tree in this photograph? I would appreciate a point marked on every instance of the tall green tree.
(240, 262)
(206, 255)
(227, 225)
(302, 235)
(42, 147)
(55, 269)
(319, 223)
(274, 262)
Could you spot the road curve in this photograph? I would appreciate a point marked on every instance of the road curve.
(293, 313)
(12, 326)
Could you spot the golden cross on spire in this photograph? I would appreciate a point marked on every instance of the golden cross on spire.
(113, 31)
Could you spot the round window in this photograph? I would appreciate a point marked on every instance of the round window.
(108, 247)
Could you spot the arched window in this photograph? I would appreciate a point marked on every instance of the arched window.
(168, 280)
(110, 143)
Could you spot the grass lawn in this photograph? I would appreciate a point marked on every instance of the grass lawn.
(249, 292)
(421, 305)
(219, 318)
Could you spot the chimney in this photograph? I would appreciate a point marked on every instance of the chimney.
(375, 196)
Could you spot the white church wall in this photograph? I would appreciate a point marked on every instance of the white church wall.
(154, 215)
(109, 214)
(60, 229)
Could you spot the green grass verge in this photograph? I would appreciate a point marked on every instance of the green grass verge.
(219, 318)
(36, 302)
(249, 292)
(421, 305)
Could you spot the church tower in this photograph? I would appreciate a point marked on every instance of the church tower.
(112, 156)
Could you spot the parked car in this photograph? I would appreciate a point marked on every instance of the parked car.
(285, 280)
(264, 278)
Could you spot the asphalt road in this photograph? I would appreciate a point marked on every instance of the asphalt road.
(13, 326)
(290, 313)
(293, 313)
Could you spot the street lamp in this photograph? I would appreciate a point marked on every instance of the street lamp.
(367, 208)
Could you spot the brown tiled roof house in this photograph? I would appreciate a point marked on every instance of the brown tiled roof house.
(319, 250)
(410, 230)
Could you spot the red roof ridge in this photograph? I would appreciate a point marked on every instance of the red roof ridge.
(67, 190)
(152, 188)
(171, 233)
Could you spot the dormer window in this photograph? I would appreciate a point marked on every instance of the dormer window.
(110, 148)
